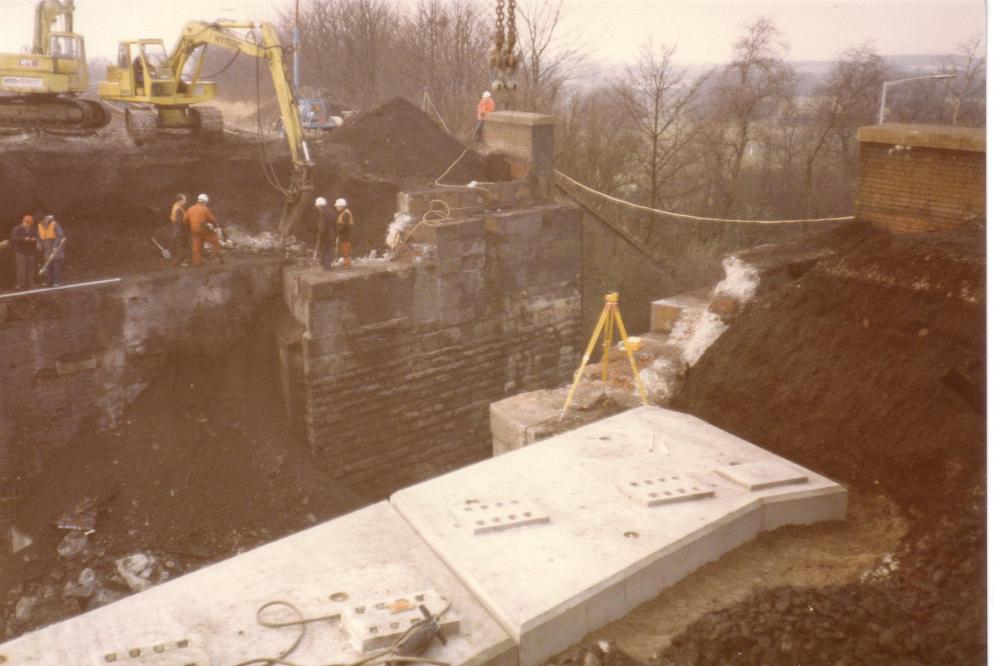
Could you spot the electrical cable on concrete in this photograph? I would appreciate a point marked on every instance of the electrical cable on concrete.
(684, 216)
(385, 656)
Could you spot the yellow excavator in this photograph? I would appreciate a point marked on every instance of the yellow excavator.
(161, 92)
(38, 89)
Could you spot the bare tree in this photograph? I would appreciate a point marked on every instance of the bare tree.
(551, 56)
(847, 99)
(755, 83)
(967, 91)
(656, 101)
(350, 48)
(592, 144)
(448, 58)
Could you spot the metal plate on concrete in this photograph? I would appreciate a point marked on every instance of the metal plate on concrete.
(603, 553)
(762, 474)
(483, 517)
(371, 554)
(375, 625)
(654, 490)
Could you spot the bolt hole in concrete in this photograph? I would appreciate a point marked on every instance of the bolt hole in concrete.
(339, 596)
(631, 535)
(604, 438)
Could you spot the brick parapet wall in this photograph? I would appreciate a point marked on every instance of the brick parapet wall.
(73, 359)
(917, 178)
(401, 362)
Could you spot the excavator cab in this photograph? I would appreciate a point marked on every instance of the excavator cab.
(156, 98)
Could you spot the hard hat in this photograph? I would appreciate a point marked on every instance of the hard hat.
(341, 202)
(487, 94)
(48, 218)
(203, 198)
(320, 201)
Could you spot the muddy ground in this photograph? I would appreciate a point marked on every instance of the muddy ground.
(869, 369)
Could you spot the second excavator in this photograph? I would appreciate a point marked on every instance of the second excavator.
(40, 89)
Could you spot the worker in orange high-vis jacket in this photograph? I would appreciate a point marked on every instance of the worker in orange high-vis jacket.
(345, 221)
(203, 228)
(486, 105)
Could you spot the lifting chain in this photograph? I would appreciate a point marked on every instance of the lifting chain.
(504, 57)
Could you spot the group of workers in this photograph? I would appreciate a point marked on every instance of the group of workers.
(29, 242)
(196, 223)
(199, 224)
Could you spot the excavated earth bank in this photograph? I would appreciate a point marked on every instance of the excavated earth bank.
(869, 369)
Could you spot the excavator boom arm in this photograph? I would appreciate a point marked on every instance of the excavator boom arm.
(198, 34)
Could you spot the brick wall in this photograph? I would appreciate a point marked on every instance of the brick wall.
(921, 178)
(401, 361)
(72, 359)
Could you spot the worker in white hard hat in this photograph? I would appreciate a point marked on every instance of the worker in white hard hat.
(202, 224)
(486, 105)
(326, 234)
(345, 221)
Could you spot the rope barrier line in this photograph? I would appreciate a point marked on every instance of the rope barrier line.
(697, 218)
(636, 245)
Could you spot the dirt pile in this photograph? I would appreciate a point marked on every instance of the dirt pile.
(205, 466)
(399, 141)
(869, 369)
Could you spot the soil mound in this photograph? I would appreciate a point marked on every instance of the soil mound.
(400, 141)
(205, 466)
(869, 369)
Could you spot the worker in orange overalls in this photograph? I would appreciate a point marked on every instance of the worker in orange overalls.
(202, 224)
(486, 105)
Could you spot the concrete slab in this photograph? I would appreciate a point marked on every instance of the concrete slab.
(368, 564)
(603, 551)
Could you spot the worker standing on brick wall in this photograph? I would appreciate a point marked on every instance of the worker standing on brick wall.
(486, 105)
(345, 220)
(178, 230)
(24, 240)
(52, 239)
(203, 228)
(326, 233)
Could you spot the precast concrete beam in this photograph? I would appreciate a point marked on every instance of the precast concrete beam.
(368, 566)
(562, 537)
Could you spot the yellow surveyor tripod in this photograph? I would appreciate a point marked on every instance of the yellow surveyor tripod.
(609, 319)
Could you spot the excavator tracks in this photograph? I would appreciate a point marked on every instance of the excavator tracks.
(209, 121)
(141, 124)
(51, 113)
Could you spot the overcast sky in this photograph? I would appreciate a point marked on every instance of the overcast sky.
(703, 29)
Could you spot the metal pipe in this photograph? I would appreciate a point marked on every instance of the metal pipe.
(93, 283)
(886, 84)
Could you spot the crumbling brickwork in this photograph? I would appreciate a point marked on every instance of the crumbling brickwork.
(401, 361)
(916, 178)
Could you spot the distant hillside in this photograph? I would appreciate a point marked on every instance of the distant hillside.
(811, 72)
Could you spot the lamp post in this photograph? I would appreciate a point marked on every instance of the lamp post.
(886, 84)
